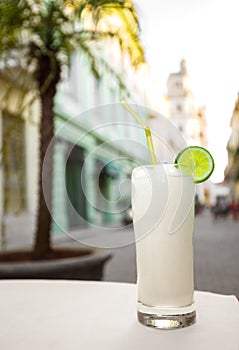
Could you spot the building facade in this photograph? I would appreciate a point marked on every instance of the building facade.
(189, 119)
(19, 121)
(99, 144)
(96, 145)
(232, 169)
(180, 123)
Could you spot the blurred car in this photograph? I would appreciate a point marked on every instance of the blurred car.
(221, 209)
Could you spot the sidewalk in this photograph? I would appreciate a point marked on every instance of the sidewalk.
(20, 234)
(121, 268)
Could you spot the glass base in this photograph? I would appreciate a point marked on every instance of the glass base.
(166, 318)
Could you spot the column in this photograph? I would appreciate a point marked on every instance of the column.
(60, 223)
(90, 183)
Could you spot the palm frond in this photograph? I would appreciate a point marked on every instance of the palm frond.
(57, 28)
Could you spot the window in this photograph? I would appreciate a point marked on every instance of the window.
(14, 165)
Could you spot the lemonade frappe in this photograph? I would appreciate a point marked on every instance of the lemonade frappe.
(163, 215)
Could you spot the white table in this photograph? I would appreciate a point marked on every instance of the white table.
(99, 315)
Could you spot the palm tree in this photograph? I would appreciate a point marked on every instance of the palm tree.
(41, 36)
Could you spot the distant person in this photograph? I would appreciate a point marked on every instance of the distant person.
(198, 206)
(234, 210)
(221, 209)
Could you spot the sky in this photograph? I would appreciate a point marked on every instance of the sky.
(205, 33)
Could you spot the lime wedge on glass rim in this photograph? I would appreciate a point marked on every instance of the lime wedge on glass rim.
(196, 161)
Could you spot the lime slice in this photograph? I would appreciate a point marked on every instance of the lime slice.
(196, 161)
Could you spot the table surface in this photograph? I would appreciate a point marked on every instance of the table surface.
(101, 315)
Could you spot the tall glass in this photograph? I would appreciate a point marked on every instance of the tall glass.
(163, 217)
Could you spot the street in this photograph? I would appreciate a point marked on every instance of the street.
(216, 244)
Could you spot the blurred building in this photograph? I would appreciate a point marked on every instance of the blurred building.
(19, 113)
(178, 106)
(96, 145)
(232, 169)
(189, 119)
(187, 125)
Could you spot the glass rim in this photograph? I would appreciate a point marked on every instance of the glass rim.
(167, 164)
(183, 169)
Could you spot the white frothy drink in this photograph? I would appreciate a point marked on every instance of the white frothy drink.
(163, 215)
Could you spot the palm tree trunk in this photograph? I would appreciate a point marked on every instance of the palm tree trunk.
(42, 244)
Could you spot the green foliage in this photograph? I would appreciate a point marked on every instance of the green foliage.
(56, 28)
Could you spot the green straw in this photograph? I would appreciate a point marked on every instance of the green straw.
(146, 129)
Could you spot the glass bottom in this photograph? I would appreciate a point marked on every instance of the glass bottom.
(166, 318)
